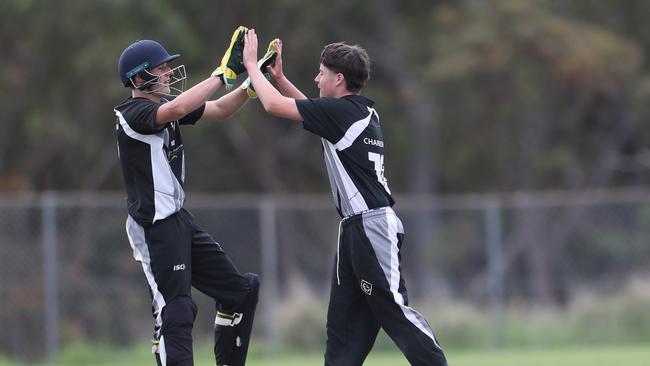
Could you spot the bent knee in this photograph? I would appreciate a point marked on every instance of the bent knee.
(253, 288)
(253, 282)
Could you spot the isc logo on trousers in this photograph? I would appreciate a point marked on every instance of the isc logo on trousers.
(366, 287)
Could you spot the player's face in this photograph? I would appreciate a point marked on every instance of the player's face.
(165, 74)
(326, 81)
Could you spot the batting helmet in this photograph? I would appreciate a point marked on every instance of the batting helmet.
(142, 55)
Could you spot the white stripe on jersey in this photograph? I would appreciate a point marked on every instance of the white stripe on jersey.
(353, 132)
(168, 192)
(351, 199)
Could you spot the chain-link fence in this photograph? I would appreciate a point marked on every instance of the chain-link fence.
(67, 271)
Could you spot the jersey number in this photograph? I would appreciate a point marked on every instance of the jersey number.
(378, 160)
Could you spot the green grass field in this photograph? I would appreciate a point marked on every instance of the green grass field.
(595, 356)
(612, 356)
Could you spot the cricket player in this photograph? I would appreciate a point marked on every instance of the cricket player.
(175, 252)
(368, 290)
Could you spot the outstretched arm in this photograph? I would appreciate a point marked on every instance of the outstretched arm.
(274, 103)
(188, 101)
(224, 107)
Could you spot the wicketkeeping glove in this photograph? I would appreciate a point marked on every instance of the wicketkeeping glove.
(267, 60)
(232, 63)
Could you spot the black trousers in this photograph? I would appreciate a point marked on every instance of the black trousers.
(177, 254)
(369, 293)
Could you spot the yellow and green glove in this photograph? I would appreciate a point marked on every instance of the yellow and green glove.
(232, 63)
(267, 60)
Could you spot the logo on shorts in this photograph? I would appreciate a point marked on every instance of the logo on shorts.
(366, 287)
(179, 267)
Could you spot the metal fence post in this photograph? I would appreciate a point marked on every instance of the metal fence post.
(50, 276)
(268, 241)
(496, 279)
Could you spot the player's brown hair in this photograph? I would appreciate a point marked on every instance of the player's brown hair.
(350, 60)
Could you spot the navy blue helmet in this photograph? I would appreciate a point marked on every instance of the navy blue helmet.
(140, 56)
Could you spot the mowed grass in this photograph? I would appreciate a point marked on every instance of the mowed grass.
(596, 356)
(592, 356)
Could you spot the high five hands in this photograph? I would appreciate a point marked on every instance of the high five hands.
(270, 64)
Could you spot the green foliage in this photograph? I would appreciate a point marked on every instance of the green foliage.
(621, 319)
(543, 95)
(571, 75)
(593, 319)
(303, 322)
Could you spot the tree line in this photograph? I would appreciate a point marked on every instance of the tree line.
(474, 96)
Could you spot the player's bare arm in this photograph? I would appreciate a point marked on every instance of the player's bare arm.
(188, 101)
(277, 74)
(224, 107)
(274, 103)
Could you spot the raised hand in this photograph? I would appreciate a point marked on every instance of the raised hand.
(275, 69)
(266, 61)
(250, 49)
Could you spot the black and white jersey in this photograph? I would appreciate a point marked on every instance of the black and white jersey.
(153, 163)
(354, 150)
